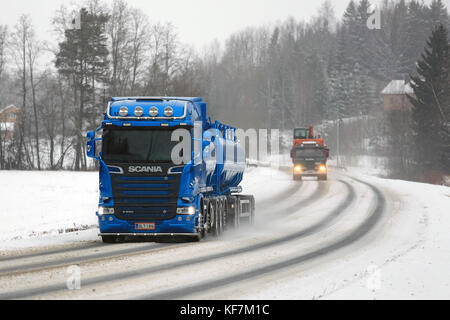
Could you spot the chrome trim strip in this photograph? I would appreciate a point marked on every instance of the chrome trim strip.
(146, 118)
(170, 170)
(237, 189)
(120, 169)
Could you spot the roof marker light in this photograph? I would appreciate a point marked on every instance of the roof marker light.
(153, 112)
(138, 111)
(168, 111)
(123, 111)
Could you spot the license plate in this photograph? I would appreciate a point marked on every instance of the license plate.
(144, 226)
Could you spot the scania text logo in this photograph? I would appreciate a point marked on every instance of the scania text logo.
(139, 169)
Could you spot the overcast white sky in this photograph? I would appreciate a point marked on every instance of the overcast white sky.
(198, 21)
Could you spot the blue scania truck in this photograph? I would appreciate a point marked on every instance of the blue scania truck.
(165, 169)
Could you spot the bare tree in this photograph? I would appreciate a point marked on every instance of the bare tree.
(118, 32)
(33, 50)
(19, 43)
(139, 33)
(3, 40)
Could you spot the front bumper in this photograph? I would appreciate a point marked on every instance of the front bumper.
(310, 173)
(149, 234)
(179, 225)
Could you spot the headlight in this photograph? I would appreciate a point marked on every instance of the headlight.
(186, 210)
(168, 111)
(105, 210)
(298, 168)
(322, 168)
(138, 111)
(123, 111)
(153, 111)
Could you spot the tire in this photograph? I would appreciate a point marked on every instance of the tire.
(201, 221)
(220, 213)
(297, 178)
(236, 213)
(323, 178)
(215, 215)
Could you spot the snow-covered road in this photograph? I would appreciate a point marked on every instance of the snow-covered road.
(353, 236)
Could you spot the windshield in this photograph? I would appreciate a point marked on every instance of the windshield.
(309, 153)
(300, 134)
(137, 145)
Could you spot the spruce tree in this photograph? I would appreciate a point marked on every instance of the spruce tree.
(430, 101)
(82, 57)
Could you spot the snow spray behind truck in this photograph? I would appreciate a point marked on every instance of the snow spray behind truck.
(166, 170)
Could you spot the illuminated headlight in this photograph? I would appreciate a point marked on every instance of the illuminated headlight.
(104, 210)
(186, 210)
(123, 111)
(298, 168)
(322, 168)
(153, 111)
(168, 111)
(138, 111)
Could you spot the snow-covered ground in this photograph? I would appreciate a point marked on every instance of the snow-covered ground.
(48, 205)
(405, 255)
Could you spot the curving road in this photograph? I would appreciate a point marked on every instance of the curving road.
(304, 228)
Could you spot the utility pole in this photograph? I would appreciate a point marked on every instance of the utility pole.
(338, 139)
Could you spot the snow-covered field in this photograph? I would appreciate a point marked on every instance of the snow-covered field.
(35, 205)
(312, 240)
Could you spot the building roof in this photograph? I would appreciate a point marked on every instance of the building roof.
(398, 87)
(8, 107)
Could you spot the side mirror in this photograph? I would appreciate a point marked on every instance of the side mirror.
(90, 148)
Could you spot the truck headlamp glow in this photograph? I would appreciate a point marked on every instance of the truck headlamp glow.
(123, 111)
(298, 168)
(168, 111)
(105, 211)
(138, 111)
(186, 210)
(322, 168)
(153, 111)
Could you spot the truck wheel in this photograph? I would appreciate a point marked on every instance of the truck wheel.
(236, 213)
(323, 178)
(221, 216)
(201, 221)
(297, 178)
(215, 217)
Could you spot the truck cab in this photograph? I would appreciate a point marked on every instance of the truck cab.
(309, 159)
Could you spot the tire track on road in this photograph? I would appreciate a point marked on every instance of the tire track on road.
(51, 252)
(357, 234)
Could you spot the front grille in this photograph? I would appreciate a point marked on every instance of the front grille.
(143, 197)
(309, 165)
